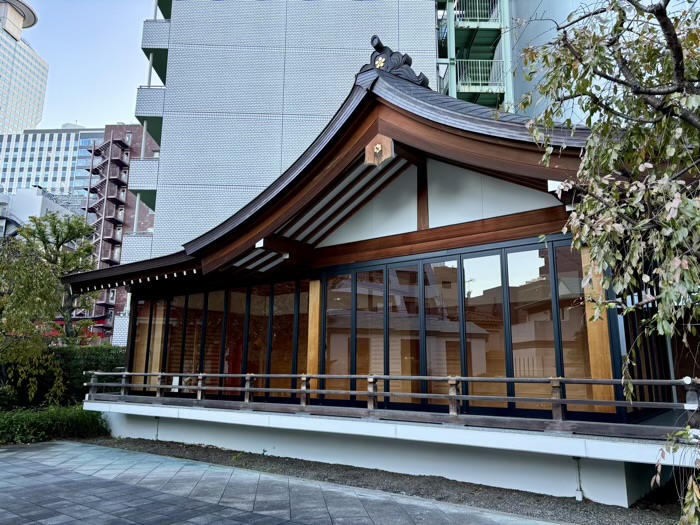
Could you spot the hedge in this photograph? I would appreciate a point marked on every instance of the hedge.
(33, 426)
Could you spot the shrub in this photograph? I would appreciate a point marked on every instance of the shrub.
(75, 360)
(33, 426)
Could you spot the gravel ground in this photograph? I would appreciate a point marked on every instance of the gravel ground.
(661, 508)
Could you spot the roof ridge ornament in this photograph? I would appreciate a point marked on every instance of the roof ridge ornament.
(399, 64)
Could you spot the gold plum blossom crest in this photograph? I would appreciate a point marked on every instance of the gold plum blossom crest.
(379, 63)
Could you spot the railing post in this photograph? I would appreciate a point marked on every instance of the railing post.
(93, 388)
(248, 395)
(371, 393)
(304, 397)
(200, 383)
(557, 411)
(692, 401)
(159, 384)
(124, 383)
(453, 393)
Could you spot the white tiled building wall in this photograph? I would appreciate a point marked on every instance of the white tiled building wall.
(251, 83)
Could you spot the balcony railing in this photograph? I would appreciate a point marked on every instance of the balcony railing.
(477, 11)
(481, 75)
(309, 393)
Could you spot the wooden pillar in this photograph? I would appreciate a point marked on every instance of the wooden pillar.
(313, 352)
(599, 351)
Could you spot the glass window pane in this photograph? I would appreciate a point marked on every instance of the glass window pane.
(193, 338)
(282, 336)
(143, 316)
(441, 297)
(531, 322)
(483, 315)
(574, 327)
(235, 331)
(338, 310)
(404, 329)
(370, 326)
(175, 334)
(155, 352)
(258, 331)
(212, 336)
(302, 367)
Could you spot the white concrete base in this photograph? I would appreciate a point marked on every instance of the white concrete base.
(613, 472)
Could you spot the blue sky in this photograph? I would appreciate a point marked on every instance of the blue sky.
(93, 48)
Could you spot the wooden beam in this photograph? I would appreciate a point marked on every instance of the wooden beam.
(422, 189)
(282, 245)
(499, 229)
(379, 150)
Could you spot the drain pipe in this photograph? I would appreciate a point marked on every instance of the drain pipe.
(579, 488)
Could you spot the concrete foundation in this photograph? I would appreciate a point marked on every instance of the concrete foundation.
(612, 472)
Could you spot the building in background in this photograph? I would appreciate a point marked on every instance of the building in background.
(118, 215)
(236, 109)
(54, 159)
(23, 73)
(15, 210)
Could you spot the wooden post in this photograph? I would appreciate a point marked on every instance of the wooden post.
(159, 384)
(453, 392)
(692, 402)
(200, 383)
(124, 382)
(93, 388)
(371, 393)
(557, 412)
(304, 397)
(249, 381)
(314, 343)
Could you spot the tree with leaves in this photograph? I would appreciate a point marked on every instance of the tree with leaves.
(632, 67)
(33, 298)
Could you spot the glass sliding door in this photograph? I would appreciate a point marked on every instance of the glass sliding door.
(176, 334)
(282, 356)
(574, 328)
(338, 323)
(303, 329)
(532, 327)
(235, 338)
(484, 326)
(193, 339)
(404, 329)
(442, 330)
(258, 332)
(155, 349)
(211, 356)
(370, 326)
(140, 341)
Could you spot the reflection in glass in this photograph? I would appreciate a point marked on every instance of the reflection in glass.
(483, 315)
(258, 332)
(441, 297)
(143, 319)
(282, 336)
(338, 313)
(193, 338)
(155, 350)
(574, 326)
(175, 334)
(235, 332)
(212, 335)
(532, 328)
(370, 326)
(303, 344)
(404, 329)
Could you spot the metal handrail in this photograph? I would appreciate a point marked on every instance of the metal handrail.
(477, 11)
(481, 73)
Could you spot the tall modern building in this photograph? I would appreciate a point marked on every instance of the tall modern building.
(23, 73)
(247, 86)
(54, 159)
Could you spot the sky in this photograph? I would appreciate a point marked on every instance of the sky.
(93, 48)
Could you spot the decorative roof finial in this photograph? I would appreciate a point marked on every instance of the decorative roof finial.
(393, 62)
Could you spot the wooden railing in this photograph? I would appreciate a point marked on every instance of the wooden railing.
(310, 395)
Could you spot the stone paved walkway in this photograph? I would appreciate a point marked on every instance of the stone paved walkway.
(71, 483)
